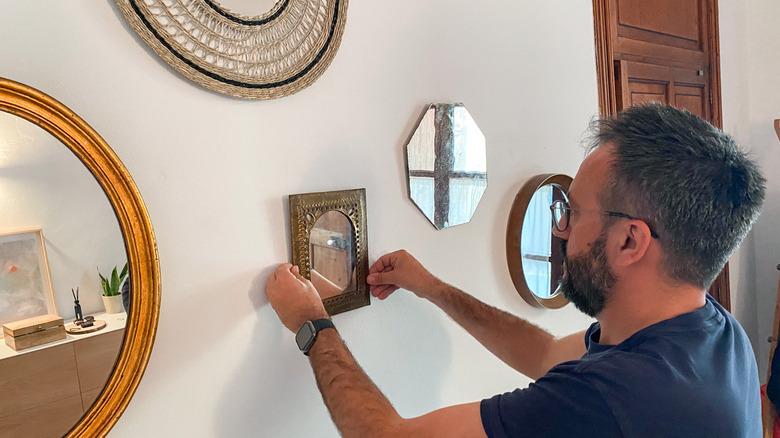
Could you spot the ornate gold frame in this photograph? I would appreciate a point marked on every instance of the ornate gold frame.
(514, 235)
(305, 209)
(46, 112)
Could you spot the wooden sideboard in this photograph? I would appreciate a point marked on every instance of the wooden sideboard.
(46, 390)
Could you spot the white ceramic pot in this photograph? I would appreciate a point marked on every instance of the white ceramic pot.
(113, 304)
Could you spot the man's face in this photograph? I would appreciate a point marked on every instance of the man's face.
(587, 278)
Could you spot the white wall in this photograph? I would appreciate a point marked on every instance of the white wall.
(750, 58)
(215, 173)
(734, 87)
(42, 184)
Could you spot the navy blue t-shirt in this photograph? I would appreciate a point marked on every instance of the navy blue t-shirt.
(689, 376)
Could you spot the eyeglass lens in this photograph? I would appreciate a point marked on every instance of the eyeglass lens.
(560, 215)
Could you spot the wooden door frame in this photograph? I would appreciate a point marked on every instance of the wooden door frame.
(604, 26)
(605, 61)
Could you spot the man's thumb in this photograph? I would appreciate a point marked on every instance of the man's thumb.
(379, 278)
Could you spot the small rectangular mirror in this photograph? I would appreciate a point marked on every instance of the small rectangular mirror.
(330, 246)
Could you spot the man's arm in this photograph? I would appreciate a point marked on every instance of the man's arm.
(520, 344)
(359, 409)
(356, 405)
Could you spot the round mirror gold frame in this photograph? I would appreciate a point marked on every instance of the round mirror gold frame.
(514, 235)
(54, 117)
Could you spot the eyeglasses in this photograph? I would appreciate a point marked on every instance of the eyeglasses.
(561, 212)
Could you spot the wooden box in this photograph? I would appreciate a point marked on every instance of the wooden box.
(34, 331)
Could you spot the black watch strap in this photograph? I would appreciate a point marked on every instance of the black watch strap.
(319, 324)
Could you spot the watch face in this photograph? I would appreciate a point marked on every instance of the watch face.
(305, 336)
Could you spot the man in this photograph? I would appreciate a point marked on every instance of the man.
(655, 210)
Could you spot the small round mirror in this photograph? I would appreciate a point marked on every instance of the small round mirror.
(534, 255)
(332, 254)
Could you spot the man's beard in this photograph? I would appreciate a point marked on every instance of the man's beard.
(587, 279)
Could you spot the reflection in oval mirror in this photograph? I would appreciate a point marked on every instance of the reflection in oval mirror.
(540, 251)
(332, 254)
(57, 233)
(535, 257)
(248, 8)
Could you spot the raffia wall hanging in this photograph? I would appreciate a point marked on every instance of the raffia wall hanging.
(263, 57)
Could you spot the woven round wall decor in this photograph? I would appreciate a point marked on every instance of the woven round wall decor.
(262, 57)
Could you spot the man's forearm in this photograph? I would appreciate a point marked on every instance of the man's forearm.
(356, 405)
(520, 344)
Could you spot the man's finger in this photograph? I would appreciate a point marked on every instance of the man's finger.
(377, 290)
(280, 268)
(380, 265)
(379, 278)
(385, 291)
(296, 271)
(283, 271)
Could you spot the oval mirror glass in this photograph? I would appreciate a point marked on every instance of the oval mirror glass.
(535, 257)
(540, 251)
(332, 254)
(63, 326)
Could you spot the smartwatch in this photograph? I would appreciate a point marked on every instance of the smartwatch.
(307, 334)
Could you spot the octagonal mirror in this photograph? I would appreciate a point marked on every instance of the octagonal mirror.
(446, 165)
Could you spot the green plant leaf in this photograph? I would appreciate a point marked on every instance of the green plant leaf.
(123, 274)
(114, 282)
(104, 284)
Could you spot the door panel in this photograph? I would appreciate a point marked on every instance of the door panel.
(675, 23)
(691, 99)
(691, 91)
(642, 83)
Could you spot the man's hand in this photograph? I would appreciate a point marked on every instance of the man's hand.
(400, 270)
(293, 297)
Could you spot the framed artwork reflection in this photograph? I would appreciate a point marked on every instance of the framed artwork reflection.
(25, 281)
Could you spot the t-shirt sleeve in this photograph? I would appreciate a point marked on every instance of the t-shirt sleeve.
(560, 404)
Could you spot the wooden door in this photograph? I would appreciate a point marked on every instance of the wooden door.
(661, 51)
(639, 83)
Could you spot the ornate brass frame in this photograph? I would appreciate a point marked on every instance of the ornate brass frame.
(305, 209)
(46, 112)
(514, 235)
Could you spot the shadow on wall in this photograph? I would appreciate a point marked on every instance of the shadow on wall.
(273, 392)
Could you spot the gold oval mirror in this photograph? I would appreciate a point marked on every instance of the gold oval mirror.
(71, 355)
(533, 254)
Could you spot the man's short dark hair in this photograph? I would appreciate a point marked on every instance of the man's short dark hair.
(690, 180)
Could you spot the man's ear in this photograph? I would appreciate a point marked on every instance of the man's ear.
(633, 241)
